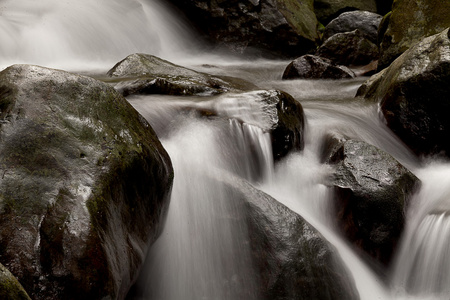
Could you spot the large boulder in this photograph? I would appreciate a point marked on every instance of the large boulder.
(10, 288)
(314, 67)
(84, 186)
(293, 260)
(372, 192)
(366, 22)
(414, 95)
(147, 74)
(327, 10)
(273, 111)
(349, 48)
(410, 22)
(285, 27)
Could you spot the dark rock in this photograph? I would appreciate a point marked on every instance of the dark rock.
(372, 193)
(314, 67)
(327, 10)
(410, 22)
(10, 288)
(285, 27)
(366, 22)
(147, 74)
(413, 93)
(84, 185)
(273, 111)
(292, 258)
(349, 48)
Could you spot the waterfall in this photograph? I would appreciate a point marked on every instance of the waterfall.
(86, 34)
(423, 264)
(203, 252)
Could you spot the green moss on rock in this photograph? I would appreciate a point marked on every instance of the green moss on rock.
(10, 288)
(411, 21)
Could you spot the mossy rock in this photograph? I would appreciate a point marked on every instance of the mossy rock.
(10, 288)
(284, 28)
(84, 185)
(410, 22)
(413, 95)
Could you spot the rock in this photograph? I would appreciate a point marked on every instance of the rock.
(413, 95)
(293, 260)
(349, 48)
(314, 67)
(410, 22)
(327, 10)
(372, 193)
(148, 74)
(366, 22)
(84, 186)
(283, 27)
(10, 288)
(273, 111)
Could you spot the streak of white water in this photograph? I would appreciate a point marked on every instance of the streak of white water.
(422, 269)
(85, 34)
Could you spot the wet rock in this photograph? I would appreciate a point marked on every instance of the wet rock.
(273, 111)
(284, 27)
(410, 22)
(84, 185)
(10, 288)
(327, 10)
(314, 67)
(372, 193)
(293, 260)
(413, 94)
(147, 74)
(349, 48)
(366, 22)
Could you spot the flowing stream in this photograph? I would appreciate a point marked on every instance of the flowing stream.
(200, 254)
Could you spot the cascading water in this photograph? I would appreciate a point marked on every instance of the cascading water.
(200, 254)
(86, 34)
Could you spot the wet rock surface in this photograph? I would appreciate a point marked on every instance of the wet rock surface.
(147, 74)
(314, 67)
(413, 94)
(349, 48)
(84, 185)
(292, 258)
(372, 192)
(273, 111)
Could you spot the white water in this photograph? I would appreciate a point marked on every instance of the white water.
(88, 34)
(199, 255)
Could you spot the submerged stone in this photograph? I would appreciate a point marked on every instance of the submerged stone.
(84, 186)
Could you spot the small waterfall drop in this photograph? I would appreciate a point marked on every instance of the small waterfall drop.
(85, 34)
(203, 252)
(422, 268)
